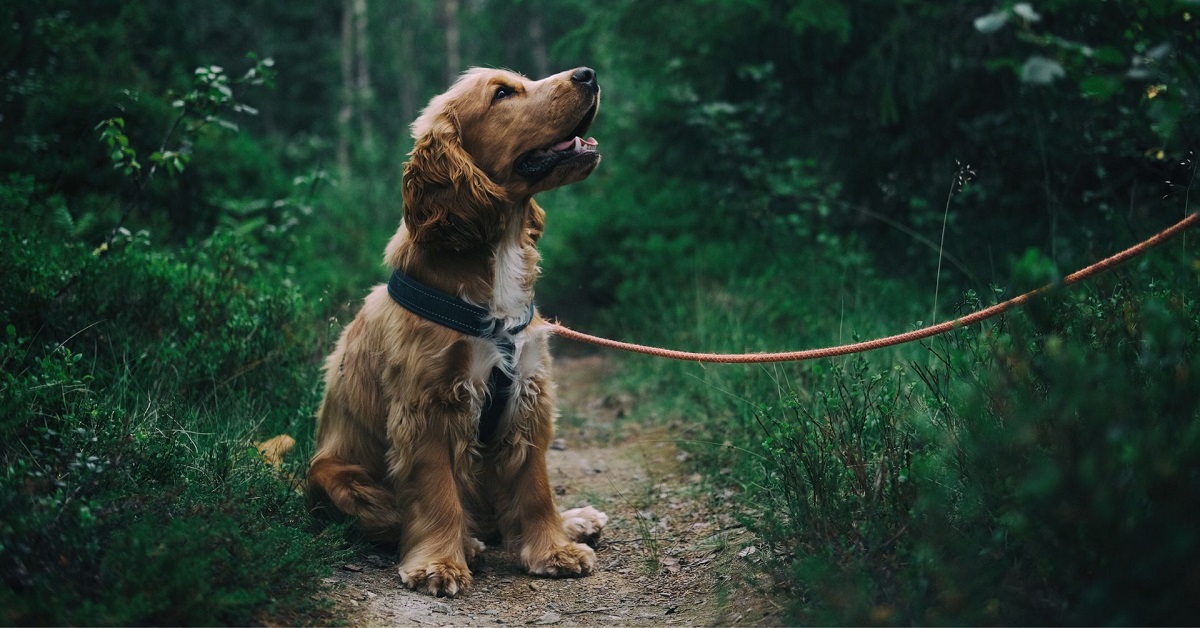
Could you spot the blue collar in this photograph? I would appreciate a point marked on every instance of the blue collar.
(452, 312)
(448, 310)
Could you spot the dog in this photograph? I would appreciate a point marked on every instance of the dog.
(439, 404)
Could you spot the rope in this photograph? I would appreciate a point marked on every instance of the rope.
(1188, 222)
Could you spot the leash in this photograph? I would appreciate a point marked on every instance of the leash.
(1188, 222)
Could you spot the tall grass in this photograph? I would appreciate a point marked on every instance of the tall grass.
(129, 406)
(1034, 469)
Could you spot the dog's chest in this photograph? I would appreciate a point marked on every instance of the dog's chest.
(513, 269)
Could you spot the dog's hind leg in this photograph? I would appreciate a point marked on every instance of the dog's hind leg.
(584, 525)
(351, 491)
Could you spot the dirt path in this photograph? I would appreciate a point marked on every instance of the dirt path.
(666, 556)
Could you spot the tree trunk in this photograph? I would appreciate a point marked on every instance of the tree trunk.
(449, 15)
(346, 113)
(362, 56)
(410, 77)
(537, 45)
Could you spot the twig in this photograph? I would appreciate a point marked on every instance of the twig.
(606, 609)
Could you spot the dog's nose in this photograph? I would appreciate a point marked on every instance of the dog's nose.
(586, 77)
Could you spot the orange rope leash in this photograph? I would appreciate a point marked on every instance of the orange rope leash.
(828, 352)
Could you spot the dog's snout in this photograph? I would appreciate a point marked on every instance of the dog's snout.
(586, 77)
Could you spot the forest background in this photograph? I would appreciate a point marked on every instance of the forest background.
(194, 195)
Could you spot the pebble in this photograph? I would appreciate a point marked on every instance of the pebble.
(550, 617)
(535, 586)
(379, 562)
(559, 444)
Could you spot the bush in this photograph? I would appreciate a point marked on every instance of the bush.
(135, 383)
(1035, 469)
(1073, 488)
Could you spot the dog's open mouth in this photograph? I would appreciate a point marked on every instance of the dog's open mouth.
(538, 162)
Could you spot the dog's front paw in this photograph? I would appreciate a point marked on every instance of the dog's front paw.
(584, 525)
(440, 579)
(564, 561)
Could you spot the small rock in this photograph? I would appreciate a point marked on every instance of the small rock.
(535, 586)
(558, 444)
(355, 567)
(550, 617)
(379, 562)
(442, 607)
(750, 549)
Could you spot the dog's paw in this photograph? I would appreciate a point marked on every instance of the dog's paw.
(440, 579)
(584, 525)
(473, 549)
(564, 561)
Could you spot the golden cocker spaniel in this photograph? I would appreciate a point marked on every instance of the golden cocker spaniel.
(439, 406)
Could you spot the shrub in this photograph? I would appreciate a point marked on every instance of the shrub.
(1073, 488)
(135, 383)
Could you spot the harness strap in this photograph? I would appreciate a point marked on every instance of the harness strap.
(452, 312)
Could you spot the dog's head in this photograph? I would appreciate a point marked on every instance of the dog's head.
(494, 139)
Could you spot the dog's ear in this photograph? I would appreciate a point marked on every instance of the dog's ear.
(448, 201)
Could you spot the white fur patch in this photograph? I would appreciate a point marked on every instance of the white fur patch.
(510, 299)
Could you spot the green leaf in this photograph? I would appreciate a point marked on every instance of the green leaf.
(1100, 87)
(1040, 70)
(991, 22)
(1111, 56)
(822, 15)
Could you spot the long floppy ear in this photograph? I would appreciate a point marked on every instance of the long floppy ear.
(448, 201)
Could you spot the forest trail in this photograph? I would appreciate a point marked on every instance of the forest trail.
(667, 557)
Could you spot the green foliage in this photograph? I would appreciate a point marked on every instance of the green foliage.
(1035, 471)
(773, 177)
(135, 383)
(1071, 491)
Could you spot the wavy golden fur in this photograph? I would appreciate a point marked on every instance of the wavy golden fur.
(398, 444)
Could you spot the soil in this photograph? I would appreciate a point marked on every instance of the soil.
(668, 555)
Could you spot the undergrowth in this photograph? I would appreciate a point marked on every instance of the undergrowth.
(1036, 469)
(135, 385)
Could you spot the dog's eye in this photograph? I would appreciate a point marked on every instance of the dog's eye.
(502, 92)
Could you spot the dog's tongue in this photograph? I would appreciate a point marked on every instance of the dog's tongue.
(574, 142)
